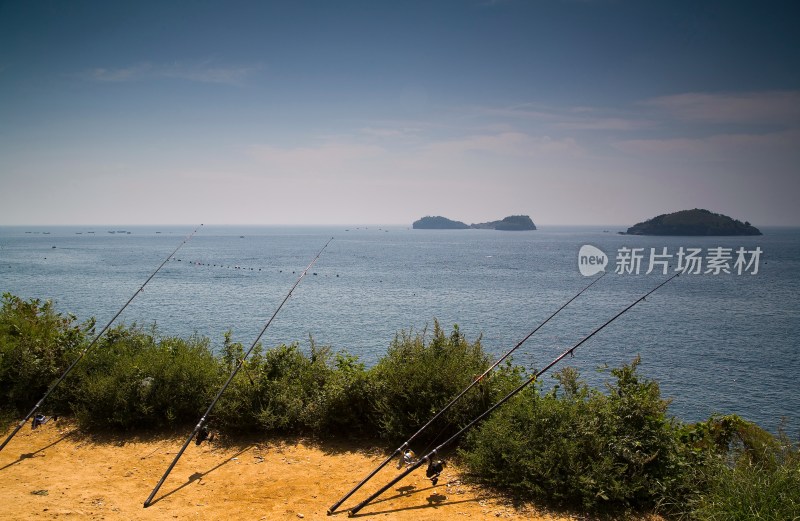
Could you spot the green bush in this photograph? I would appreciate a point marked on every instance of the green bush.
(36, 347)
(285, 390)
(417, 378)
(291, 383)
(236, 407)
(342, 406)
(743, 472)
(270, 393)
(751, 491)
(132, 380)
(578, 447)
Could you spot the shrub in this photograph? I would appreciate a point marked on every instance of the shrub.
(744, 471)
(268, 394)
(417, 378)
(132, 380)
(343, 405)
(751, 491)
(287, 391)
(291, 382)
(236, 407)
(36, 347)
(579, 447)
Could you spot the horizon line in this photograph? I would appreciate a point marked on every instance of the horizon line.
(318, 225)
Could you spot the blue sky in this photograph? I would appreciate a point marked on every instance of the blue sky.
(343, 112)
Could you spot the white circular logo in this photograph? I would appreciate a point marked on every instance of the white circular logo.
(591, 260)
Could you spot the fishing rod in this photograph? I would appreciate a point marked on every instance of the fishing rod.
(434, 466)
(199, 428)
(400, 450)
(92, 344)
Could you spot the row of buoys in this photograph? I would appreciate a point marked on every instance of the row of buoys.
(234, 267)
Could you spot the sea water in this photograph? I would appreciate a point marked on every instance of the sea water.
(716, 342)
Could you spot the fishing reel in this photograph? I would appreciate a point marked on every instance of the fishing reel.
(41, 419)
(435, 467)
(202, 435)
(408, 458)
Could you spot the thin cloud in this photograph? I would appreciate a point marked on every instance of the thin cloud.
(571, 118)
(210, 74)
(524, 111)
(391, 132)
(757, 108)
(123, 74)
(506, 144)
(621, 124)
(205, 72)
(716, 147)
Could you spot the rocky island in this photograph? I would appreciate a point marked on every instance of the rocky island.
(693, 222)
(510, 223)
(438, 223)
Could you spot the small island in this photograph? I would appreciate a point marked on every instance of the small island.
(695, 222)
(438, 223)
(510, 223)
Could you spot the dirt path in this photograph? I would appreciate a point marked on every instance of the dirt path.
(55, 472)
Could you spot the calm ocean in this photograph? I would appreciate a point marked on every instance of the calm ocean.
(716, 343)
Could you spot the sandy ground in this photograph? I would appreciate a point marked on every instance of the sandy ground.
(56, 472)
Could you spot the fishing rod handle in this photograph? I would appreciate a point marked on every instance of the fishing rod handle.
(336, 505)
(353, 511)
(14, 432)
(149, 499)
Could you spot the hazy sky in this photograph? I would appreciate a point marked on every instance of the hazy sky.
(378, 112)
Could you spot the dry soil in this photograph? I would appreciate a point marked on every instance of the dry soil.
(58, 472)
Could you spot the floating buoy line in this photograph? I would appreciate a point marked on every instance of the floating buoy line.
(237, 267)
